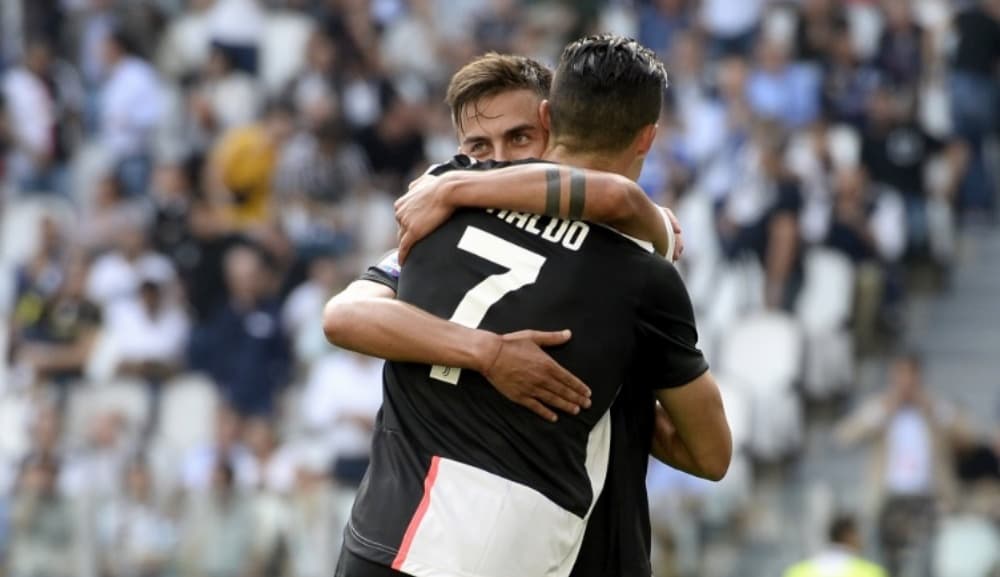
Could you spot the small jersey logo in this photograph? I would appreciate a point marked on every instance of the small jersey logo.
(390, 264)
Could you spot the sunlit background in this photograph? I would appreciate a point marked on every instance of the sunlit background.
(186, 182)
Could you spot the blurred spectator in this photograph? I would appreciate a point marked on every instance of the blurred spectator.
(848, 82)
(134, 535)
(903, 50)
(760, 214)
(270, 468)
(256, 364)
(394, 145)
(236, 27)
(109, 212)
(318, 174)
(975, 97)
(226, 98)
(118, 274)
(43, 541)
(732, 27)
(661, 21)
(198, 466)
(56, 346)
(130, 110)
(842, 556)
(896, 150)
(149, 333)
(782, 90)
(820, 23)
(314, 529)
(185, 46)
(217, 530)
(93, 472)
(850, 228)
(171, 230)
(39, 279)
(302, 316)
(32, 116)
(315, 92)
(242, 166)
(914, 435)
(496, 25)
(411, 47)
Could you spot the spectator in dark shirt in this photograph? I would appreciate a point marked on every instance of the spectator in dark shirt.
(820, 23)
(848, 82)
(975, 97)
(394, 145)
(660, 22)
(56, 346)
(903, 49)
(242, 346)
(896, 150)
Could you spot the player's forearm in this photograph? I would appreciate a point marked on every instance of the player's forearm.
(397, 331)
(564, 192)
(669, 449)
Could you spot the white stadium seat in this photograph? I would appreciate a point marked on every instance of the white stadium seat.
(283, 48)
(827, 295)
(765, 352)
(187, 412)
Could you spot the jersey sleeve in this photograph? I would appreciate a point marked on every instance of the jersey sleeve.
(668, 353)
(385, 272)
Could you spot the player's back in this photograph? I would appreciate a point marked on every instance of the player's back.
(471, 476)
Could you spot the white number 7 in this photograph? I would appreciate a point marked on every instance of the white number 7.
(523, 266)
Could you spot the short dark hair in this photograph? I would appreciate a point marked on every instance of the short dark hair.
(604, 91)
(492, 74)
(842, 528)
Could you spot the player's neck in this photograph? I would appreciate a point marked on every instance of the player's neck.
(594, 161)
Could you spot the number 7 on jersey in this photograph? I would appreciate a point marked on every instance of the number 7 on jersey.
(523, 268)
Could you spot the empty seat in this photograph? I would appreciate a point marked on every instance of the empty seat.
(283, 48)
(827, 296)
(187, 413)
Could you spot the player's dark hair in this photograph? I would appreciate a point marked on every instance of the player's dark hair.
(604, 91)
(842, 528)
(492, 74)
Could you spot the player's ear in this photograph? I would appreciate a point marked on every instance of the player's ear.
(545, 115)
(644, 140)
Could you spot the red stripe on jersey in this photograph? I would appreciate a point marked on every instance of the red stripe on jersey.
(418, 516)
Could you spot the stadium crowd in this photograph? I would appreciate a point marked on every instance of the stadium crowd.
(187, 181)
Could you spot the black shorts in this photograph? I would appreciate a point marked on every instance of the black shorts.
(350, 565)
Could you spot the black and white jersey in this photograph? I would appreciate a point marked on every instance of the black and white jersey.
(464, 482)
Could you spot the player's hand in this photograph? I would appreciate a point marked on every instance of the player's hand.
(678, 233)
(421, 210)
(527, 375)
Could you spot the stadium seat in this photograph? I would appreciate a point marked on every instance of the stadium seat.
(828, 291)
(824, 308)
(283, 48)
(87, 400)
(187, 412)
(20, 225)
(737, 289)
(865, 24)
(700, 262)
(765, 352)
(966, 546)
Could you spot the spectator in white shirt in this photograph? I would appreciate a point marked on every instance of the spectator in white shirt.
(31, 114)
(135, 536)
(236, 26)
(150, 333)
(731, 26)
(911, 467)
(226, 448)
(117, 275)
(129, 112)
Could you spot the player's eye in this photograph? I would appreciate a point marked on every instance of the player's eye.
(478, 148)
(521, 139)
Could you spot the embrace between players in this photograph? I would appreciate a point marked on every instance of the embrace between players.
(491, 456)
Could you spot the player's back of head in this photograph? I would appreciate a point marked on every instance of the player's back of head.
(605, 90)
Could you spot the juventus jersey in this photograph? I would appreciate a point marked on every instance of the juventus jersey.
(464, 482)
